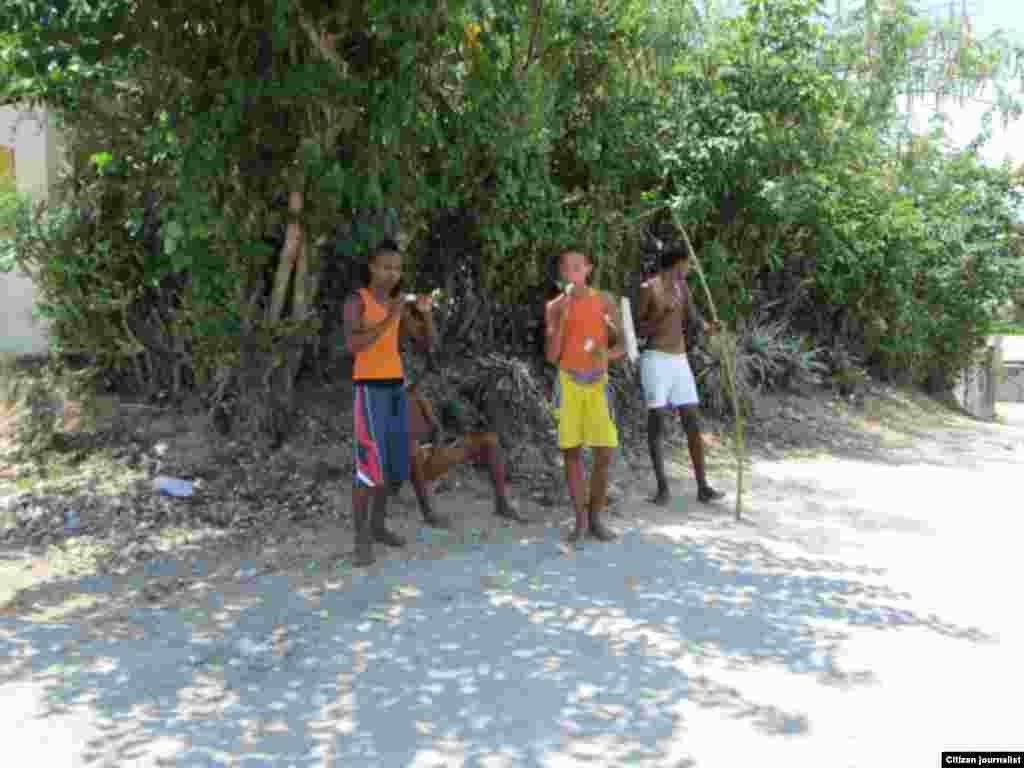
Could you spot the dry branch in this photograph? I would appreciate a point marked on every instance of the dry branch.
(727, 351)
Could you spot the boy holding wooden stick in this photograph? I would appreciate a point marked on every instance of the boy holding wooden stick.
(669, 318)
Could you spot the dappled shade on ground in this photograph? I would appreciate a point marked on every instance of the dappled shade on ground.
(510, 651)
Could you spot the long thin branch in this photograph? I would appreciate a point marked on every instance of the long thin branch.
(324, 43)
(535, 33)
(729, 366)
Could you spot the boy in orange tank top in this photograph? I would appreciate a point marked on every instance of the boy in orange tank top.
(582, 336)
(375, 320)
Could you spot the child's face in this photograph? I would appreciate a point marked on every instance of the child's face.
(681, 269)
(385, 270)
(575, 268)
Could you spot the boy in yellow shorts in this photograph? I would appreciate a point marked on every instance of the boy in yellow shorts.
(581, 338)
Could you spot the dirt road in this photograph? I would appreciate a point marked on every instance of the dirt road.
(867, 613)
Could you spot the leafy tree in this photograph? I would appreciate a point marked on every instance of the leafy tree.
(230, 164)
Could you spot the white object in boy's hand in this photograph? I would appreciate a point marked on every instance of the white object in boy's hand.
(410, 298)
(629, 331)
(588, 345)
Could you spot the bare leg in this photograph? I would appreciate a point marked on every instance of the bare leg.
(577, 493)
(492, 455)
(486, 448)
(361, 515)
(599, 494)
(379, 528)
(695, 442)
(420, 483)
(655, 444)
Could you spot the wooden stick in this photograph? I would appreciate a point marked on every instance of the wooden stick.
(729, 364)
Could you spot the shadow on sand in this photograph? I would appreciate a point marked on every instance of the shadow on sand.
(506, 654)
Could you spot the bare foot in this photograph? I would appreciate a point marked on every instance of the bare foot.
(435, 520)
(601, 532)
(505, 508)
(363, 556)
(661, 498)
(389, 538)
(707, 494)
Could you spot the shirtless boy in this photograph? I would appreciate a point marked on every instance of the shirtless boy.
(668, 317)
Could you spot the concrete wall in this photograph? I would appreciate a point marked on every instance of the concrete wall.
(1013, 348)
(975, 388)
(37, 158)
(1011, 388)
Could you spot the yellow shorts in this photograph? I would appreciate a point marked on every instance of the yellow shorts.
(584, 418)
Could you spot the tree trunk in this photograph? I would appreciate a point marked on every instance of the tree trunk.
(303, 299)
(293, 245)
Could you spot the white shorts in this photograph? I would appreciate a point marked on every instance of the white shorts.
(667, 380)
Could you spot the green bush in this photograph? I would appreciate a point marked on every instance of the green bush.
(13, 207)
(1003, 328)
(776, 139)
(769, 357)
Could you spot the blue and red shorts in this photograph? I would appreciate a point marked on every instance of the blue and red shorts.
(381, 433)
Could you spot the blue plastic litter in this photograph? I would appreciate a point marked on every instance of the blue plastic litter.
(172, 486)
(72, 522)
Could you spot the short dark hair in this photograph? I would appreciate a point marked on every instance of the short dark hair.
(363, 265)
(672, 255)
(384, 246)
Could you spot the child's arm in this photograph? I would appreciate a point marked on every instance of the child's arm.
(359, 335)
(554, 321)
(696, 326)
(613, 317)
(419, 326)
(644, 322)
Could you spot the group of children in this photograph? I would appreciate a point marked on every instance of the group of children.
(583, 334)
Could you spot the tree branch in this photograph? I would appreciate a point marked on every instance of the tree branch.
(326, 44)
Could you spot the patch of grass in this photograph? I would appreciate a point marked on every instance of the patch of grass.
(73, 604)
(23, 484)
(1004, 328)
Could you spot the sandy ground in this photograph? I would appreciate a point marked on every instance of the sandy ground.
(864, 612)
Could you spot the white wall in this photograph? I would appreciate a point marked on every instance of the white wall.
(34, 138)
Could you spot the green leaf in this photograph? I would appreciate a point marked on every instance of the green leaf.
(101, 160)
(407, 54)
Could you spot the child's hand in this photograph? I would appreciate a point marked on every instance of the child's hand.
(714, 328)
(557, 307)
(424, 304)
(394, 309)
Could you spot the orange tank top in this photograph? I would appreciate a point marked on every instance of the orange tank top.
(585, 321)
(381, 359)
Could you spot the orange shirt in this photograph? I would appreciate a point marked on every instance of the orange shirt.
(585, 321)
(381, 359)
